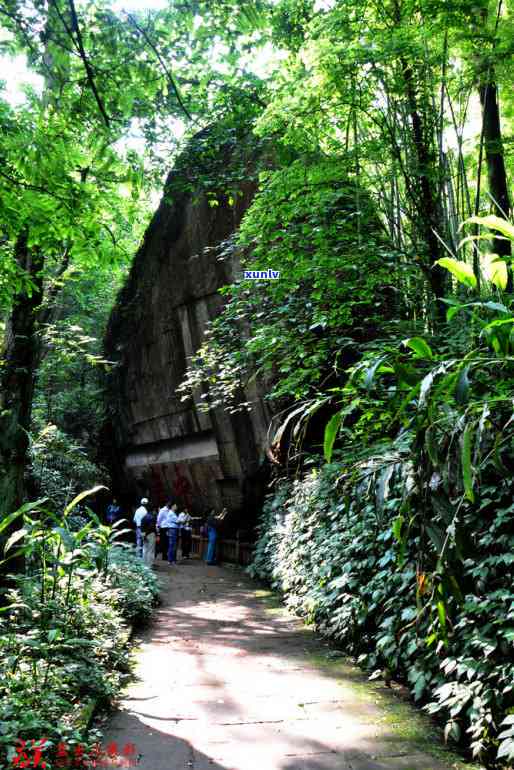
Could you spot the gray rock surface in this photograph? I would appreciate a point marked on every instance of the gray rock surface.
(157, 444)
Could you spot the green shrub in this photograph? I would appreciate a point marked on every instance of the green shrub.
(339, 561)
(136, 585)
(64, 634)
(59, 467)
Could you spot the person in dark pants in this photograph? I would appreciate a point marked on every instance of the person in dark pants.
(186, 532)
(162, 529)
(173, 526)
(212, 526)
(212, 536)
(113, 512)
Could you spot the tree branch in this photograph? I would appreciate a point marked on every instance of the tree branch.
(87, 65)
(35, 187)
(163, 65)
(48, 305)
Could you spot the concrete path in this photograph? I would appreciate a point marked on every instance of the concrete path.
(225, 683)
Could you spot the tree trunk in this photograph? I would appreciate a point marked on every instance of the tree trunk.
(493, 146)
(426, 200)
(17, 378)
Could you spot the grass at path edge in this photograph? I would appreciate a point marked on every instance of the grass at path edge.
(405, 721)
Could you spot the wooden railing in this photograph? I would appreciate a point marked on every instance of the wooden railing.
(233, 551)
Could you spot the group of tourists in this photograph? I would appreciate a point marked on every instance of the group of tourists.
(163, 532)
(166, 530)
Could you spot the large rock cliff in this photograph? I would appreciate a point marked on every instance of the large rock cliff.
(159, 445)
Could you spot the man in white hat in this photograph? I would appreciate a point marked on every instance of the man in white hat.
(138, 518)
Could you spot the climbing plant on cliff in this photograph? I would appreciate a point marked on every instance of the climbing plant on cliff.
(307, 223)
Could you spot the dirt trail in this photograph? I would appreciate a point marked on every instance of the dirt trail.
(223, 683)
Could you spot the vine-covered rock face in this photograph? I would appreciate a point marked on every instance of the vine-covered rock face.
(159, 444)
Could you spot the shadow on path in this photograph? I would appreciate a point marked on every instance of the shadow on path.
(224, 684)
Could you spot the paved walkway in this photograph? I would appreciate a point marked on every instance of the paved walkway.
(223, 683)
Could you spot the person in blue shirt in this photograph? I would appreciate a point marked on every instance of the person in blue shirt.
(113, 512)
(172, 526)
(162, 529)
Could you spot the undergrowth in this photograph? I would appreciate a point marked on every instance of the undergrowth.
(341, 566)
(64, 631)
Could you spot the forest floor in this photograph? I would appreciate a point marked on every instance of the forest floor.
(226, 679)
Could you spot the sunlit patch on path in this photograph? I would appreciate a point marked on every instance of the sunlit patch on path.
(225, 684)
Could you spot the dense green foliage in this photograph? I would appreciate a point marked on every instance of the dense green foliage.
(336, 551)
(384, 120)
(64, 629)
(68, 405)
(305, 223)
(370, 167)
(403, 550)
(372, 132)
(59, 468)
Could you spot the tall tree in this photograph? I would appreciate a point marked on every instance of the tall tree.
(66, 185)
(60, 189)
(491, 124)
(19, 362)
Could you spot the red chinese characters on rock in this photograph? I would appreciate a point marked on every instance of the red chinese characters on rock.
(182, 487)
(30, 754)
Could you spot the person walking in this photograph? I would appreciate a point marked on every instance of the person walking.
(138, 518)
(173, 526)
(186, 533)
(148, 530)
(162, 529)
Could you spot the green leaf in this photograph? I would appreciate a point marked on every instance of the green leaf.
(331, 430)
(66, 536)
(496, 271)
(506, 749)
(371, 371)
(419, 686)
(397, 527)
(13, 539)
(467, 470)
(436, 535)
(431, 446)
(76, 500)
(419, 346)
(441, 613)
(452, 730)
(7, 521)
(462, 389)
(493, 223)
(461, 270)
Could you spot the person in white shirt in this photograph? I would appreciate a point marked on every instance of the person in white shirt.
(162, 529)
(184, 521)
(138, 518)
(148, 527)
(173, 526)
